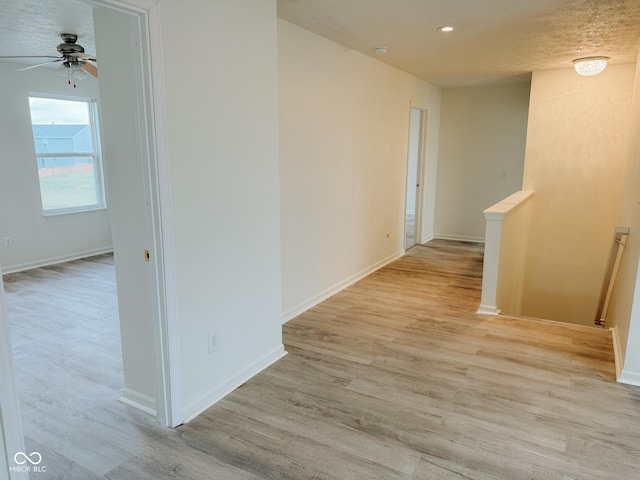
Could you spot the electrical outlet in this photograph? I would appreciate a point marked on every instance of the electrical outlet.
(213, 341)
(8, 242)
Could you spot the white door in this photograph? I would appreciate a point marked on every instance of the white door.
(134, 207)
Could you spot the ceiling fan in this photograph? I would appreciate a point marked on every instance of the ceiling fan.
(74, 61)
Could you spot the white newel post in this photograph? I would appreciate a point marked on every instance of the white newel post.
(491, 264)
(511, 250)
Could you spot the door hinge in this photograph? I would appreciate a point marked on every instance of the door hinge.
(147, 256)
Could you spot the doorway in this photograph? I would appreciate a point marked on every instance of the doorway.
(139, 196)
(415, 163)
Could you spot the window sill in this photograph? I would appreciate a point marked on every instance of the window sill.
(67, 211)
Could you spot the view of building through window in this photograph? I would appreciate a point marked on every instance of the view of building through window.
(66, 146)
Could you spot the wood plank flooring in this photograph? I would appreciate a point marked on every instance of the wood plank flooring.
(395, 377)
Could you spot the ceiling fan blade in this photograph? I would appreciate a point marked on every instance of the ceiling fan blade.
(28, 56)
(90, 69)
(39, 65)
(84, 56)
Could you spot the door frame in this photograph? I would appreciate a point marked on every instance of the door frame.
(10, 420)
(420, 171)
(155, 165)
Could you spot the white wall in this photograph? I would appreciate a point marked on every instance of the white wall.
(222, 124)
(344, 134)
(624, 308)
(576, 160)
(37, 240)
(482, 134)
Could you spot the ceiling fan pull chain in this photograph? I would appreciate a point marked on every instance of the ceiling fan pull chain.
(69, 77)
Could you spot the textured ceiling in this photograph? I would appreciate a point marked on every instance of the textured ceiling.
(494, 41)
(33, 27)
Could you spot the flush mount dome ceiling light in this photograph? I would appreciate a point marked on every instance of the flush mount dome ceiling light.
(380, 50)
(446, 28)
(588, 66)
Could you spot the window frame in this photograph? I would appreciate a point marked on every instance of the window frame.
(96, 155)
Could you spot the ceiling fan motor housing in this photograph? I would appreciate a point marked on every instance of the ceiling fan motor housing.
(69, 46)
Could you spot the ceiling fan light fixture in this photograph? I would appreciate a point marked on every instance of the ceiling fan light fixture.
(63, 69)
(73, 71)
(589, 66)
(77, 72)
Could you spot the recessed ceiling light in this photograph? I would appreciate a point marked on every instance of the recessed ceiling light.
(445, 29)
(380, 50)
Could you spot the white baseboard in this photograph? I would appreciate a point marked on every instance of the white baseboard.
(488, 310)
(322, 296)
(426, 239)
(196, 408)
(459, 238)
(629, 378)
(45, 262)
(138, 400)
(617, 352)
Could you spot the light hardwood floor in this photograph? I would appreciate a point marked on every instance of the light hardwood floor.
(395, 377)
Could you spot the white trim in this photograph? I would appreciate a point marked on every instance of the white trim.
(45, 262)
(127, 6)
(196, 408)
(427, 239)
(459, 238)
(10, 419)
(138, 400)
(617, 352)
(498, 210)
(488, 310)
(320, 297)
(419, 105)
(630, 378)
(169, 353)
(421, 171)
(428, 173)
(57, 212)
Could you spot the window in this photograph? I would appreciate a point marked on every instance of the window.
(68, 154)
